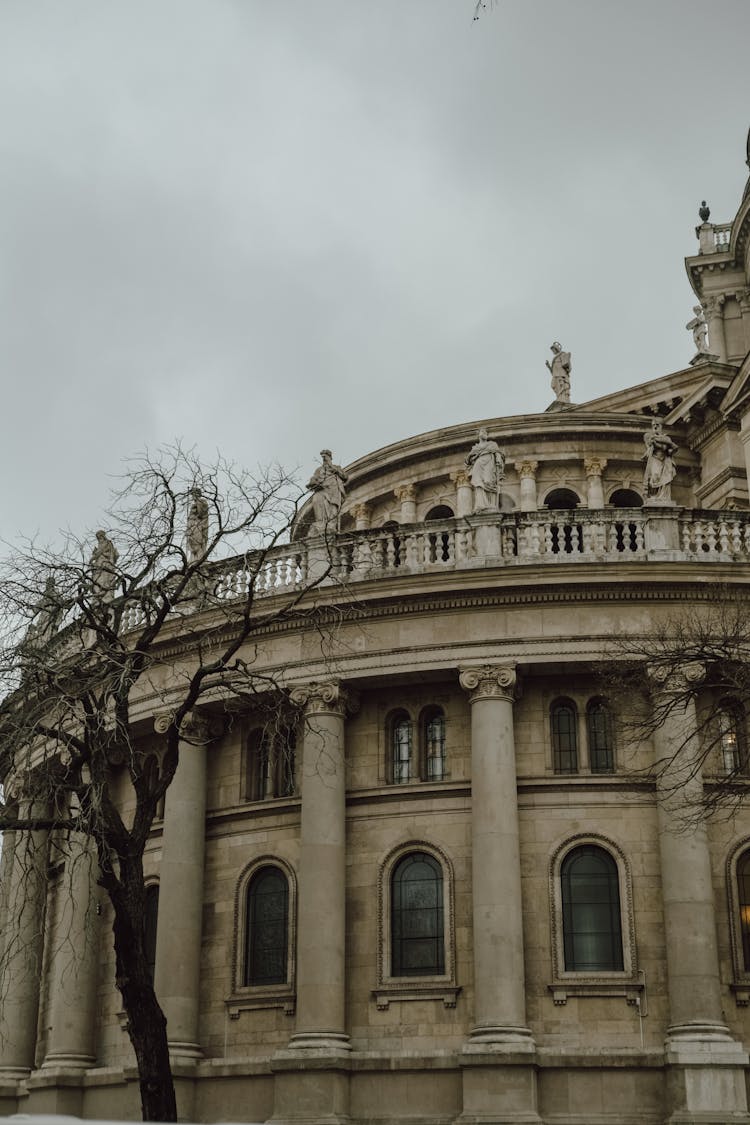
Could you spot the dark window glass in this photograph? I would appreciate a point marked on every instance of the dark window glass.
(731, 737)
(150, 920)
(434, 746)
(267, 926)
(591, 911)
(564, 722)
(743, 891)
(401, 749)
(417, 943)
(287, 747)
(601, 740)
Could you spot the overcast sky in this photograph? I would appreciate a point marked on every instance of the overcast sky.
(269, 227)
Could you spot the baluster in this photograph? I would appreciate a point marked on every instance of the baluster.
(449, 547)
(549, 539)
(390, 547)
(736, 538)
(412, 550)
(723, 537)
(687, 544)
(698, 536)
(746, 538)
(711, 536)
(588, 545)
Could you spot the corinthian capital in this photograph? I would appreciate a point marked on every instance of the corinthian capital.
(460, 478)
(405, 492)
(594, 466)
(489, 681)
(329, 697)
(526, 469)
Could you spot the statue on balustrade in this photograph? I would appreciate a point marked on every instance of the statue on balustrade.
(328, 486)
(559, 369)
(196, 531)
(45, 617)
(699, 328)
(660, 468)
(486, 464)
(103, 564)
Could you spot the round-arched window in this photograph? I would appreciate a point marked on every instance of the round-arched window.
(417, 924)
(591, 911)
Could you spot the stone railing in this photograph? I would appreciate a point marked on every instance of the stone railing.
(511, 539)
(722, 235)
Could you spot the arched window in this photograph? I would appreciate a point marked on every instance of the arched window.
(417, 923)
(439, 512)
(601, 737)
(592, 930)
(564, 726)
(433, 744)
(731, 718)
(625, 498)
(150, 919)
(743, 895)
(266, 928)
(561, 499)
(400, 737)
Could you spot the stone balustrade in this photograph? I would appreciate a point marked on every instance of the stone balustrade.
(722, 234)
(503, 539)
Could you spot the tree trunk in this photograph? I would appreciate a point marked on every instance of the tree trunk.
(147, 1025)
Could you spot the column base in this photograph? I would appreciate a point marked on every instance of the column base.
(325, 1042)
(499, 1085)
(68, 1060)
(499, 1037)
(705, 1075)
(311, 1086)
(14, 1073)
(184, 1053)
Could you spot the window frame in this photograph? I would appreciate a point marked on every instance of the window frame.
(740, 983)
(434, 986)
(393, 719)
(598, 701)
(732, 708)
(626, 982)
(246, 997)
(558, 703)
(265, 759)
(427, 716)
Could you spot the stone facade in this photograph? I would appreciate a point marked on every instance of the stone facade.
(457, 731)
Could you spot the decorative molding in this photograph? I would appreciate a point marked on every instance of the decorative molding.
(405, 492)
(526, 468)
(387, 993)
(489, 681)
(460, 478)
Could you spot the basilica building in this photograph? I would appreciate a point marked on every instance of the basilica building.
(453, 891)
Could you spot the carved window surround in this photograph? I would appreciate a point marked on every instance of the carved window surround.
(442, 987)
(253, 997)
(628, 983)
(740, 983)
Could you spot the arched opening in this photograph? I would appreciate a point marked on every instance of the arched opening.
(417, 925)
(562, 499)
(564, 727)
(432, 723)
(626, 498)
(439, 512)
(591, 911)
(266, 927)
(400, 748)
(601, 737)
(743, 894)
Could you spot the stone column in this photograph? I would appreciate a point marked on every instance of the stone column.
(527, 473)
(705, 1062)
(75, 960)
(464, 493)
(361, 513)
(499, 987)
(406, 494)
(322, 872)
(594, 467)
(716, 340)
(178, 942)
(743, 298)
(23, 947)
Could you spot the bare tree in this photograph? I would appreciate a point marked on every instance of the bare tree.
(685, 687)
(82, 636)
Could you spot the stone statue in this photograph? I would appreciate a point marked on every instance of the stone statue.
(660, 468)
(45, 616)
(486, 464)
(103, 565)
(559, 369)
(196, 531)
(328, 485)
(699, 328)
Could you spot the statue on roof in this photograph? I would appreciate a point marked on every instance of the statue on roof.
(196, 530)
(660, 468)
(699, 328)
(559, 369)
(328, 485)
(486, 464)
